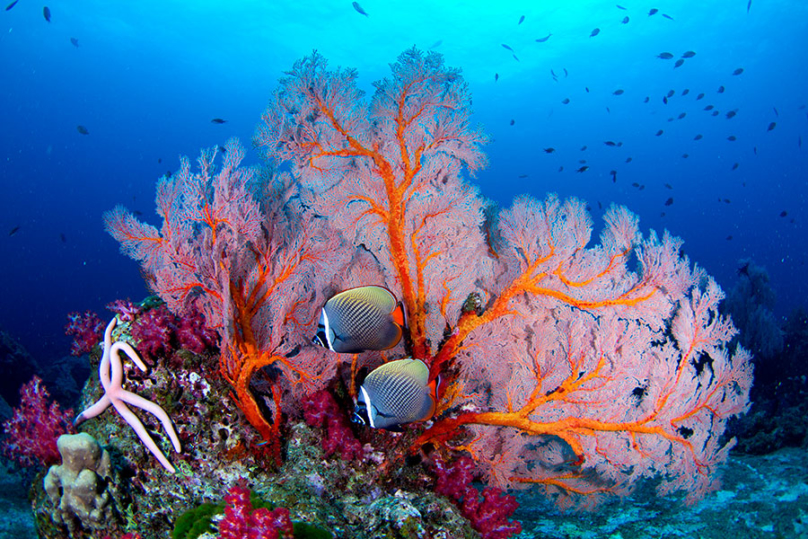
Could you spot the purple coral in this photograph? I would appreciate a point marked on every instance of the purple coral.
(488, 516)
(157, 331)
(86, 330)
(35, 426)
(241, 521)
(321, 410)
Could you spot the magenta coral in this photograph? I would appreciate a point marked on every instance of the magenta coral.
(35, 426)
(241, 521)
(489, 515)
(321, 410)
(86, 330)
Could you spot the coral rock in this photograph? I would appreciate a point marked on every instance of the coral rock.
(78, 487)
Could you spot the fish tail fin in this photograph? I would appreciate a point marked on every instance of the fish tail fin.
(399, 315)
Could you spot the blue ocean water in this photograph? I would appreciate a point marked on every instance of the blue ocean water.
(144, 80)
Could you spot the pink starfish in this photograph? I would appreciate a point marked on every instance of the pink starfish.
(117, 396)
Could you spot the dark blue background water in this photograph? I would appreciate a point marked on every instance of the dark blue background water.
(147, 77)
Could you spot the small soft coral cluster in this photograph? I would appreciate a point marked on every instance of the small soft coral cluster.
(321, 410)
(86, 330)
(241, 521)
(35, 426)
(158, 332)
(489, 515)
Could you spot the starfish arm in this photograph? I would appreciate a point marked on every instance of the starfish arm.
(155, 410)
(129, 351)
(94, 410)
(141, 432)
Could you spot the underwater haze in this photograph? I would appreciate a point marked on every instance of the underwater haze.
(588, 99)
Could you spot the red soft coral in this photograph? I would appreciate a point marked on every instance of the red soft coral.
(321, 410)
(35, 426)
(242, 522)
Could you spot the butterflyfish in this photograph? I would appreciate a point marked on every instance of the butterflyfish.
(360, 319)
(396, 393)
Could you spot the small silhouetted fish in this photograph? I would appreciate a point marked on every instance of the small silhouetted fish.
(437, 44)
(619, 144)
(582, 161)
(12, 4)
(219, 120)
(685, 91)
(720, 89)
(688, 54)
(496, 77)
(653, 11)
(586, 88)
(46, 13)
(549, 150)
(595, 32)
(669, 201)
(83, 130)
(700, 96)
(359, 9)
(685, 156)
(543, 39)
(513, 121)
(608, 110)
(668, 186)
(726, 201)
(609, 143)
(698, 137)
(521, 20)
(619, 91)
(620, 7)
(222, 150)
(665, 55)
(614, 176)
(782, 214)
(159, 160)
(715, 113)
(671, 92)
(732, 138)
(583, 148)
(665, 99)
(678, 63)
(748, 6)
(561, 168)
(735, 166)
(667, 16)
(754, 150)
(522, 176)
(709, 107)
(566, 101)
(738, 71)
(14, 230)
(771, 126)
(682, 115)
(583, 169)
(629, 159)
(625, 20)
(647, 99)
(731, 114)
(566, 73)
(63, 237)
(775, 112)
(729, 238)
(635, 184)
(670, 119)
(74, 41)
(659, 133)
(504, 46)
